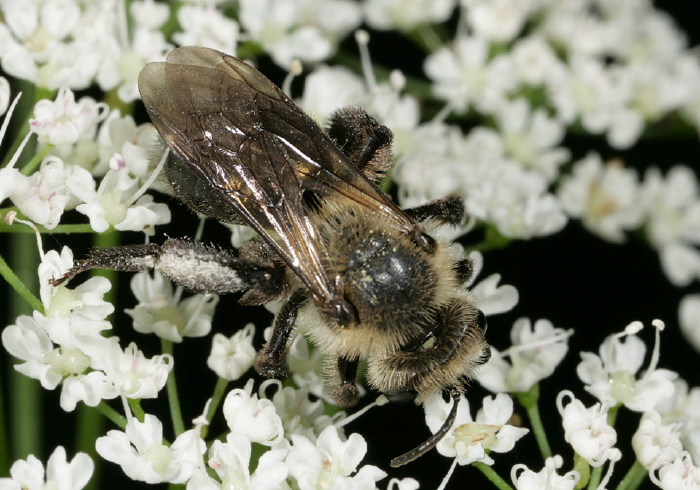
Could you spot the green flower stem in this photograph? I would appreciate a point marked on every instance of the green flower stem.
(216, 398)
(584, 470)
(20, 288)
(137, 409)
(173, 399)
(595, 477)
(36, 160)
(529, 400)
(25, 399)
(634, 477)
(4, 436)
(5, 228)
(108, 412)
(493, 477)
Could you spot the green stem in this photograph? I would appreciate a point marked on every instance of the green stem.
(634, 477)
(493, 477)
(20, 288)
(19, 229)
(216, 398)
(4, 435)
(529, 400)
(36, 160)
(26, 415)
(108, 412)
(173, 399)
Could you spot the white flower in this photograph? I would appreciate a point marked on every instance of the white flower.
(470, 439)
(29, 474)
(497, 21)
(654, 442)
(328, 89)
(465, 75)
(546, 479)
(682, 409)
(535, 60)
(678, 474)
(161, 313)
(135, 144)
(610, 376)
(114, 203)
(330, 462)
(689, 319)
(231, 462)
(256, 419)
(4, 95)
(606, 197)
(231, 357)
(132, 374)
(65, 121)
(204, 25)
(491, 298)
(299, 414)
(405, 15)
(673, 222)
(530, 137)
(587, 429)
(301, 29)
(536, 351)
(140, 451)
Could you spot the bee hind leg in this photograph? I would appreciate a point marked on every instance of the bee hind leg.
(449, 209)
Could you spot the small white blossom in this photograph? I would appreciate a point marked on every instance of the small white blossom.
(231, 357)
(678, 474)
(464, 75)
(298, 412)
(611, 375)
(143, 456)
(330, 462)
(60, 474)
(161, 313)
(132, 374)
(405, 15)
(471, 440)
(498, 21)
(491, 298)
(113, 204)
(530, 137)
(547, 479)
(204, 25)
(328, 89)
(65, 120)
(4, 95)
(606, 197)
(689, 319)
(654, 442)
(231, 462)
(673, 221)
(587, 429)
(307, 30)
(536, 351)
(255, 418)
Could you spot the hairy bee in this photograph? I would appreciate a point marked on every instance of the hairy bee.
(371, 283)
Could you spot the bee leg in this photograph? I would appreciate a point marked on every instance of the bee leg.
(346, 393)
(270, 361)
(193, 265)
(449, 209)
(363, 140)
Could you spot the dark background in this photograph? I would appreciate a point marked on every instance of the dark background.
(574, 279)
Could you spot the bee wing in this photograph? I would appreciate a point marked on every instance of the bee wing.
(234, 129)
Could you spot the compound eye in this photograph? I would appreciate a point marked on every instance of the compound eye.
(402, 396)
(481, 321)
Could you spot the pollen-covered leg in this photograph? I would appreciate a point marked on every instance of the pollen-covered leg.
(270, 361)
(449, 209)
(193, 265)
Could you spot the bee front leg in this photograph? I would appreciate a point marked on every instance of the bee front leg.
(270, 361)
(346, 393)
(449, 209)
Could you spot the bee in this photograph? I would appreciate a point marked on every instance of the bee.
(369, 281)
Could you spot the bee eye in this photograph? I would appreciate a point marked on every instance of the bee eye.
(402, 396)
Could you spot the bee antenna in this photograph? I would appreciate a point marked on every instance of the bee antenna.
(426, 446)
